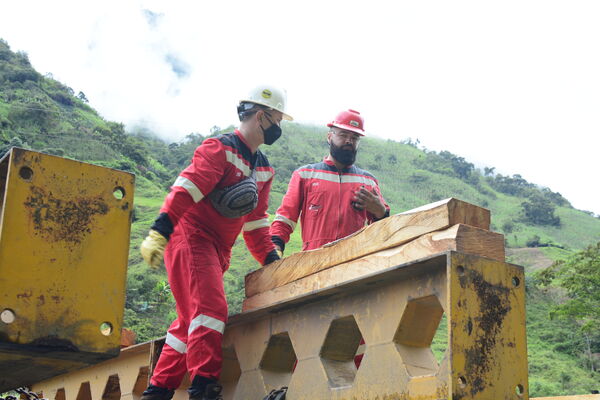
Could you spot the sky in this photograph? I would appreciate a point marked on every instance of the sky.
(513, 85)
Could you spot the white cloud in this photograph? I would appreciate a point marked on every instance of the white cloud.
(512, 85)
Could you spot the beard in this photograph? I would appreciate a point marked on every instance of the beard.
(345, 154)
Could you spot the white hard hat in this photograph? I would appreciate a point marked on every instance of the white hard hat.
(268, 96)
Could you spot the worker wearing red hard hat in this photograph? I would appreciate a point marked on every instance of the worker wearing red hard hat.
(333, 198)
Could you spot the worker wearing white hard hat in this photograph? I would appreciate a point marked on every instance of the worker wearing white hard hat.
(224, 190)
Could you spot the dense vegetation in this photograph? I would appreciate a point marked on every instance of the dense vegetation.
(40, 113)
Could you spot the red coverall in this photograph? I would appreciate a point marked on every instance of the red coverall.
(322, 197)
(198, 254)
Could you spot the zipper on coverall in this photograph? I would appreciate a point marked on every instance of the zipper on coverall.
(339, 219)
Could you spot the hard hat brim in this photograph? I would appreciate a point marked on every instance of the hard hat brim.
(285, 116)
(347, 128)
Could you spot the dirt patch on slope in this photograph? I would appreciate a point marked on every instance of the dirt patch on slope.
(531, 258)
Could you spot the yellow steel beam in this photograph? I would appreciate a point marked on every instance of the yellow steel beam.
(309, 342)
(487, 328)
(64, 240)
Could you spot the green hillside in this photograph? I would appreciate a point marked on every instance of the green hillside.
(39, 113)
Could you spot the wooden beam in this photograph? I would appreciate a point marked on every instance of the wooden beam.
(461, 238)
(128, 337)
(387, 233)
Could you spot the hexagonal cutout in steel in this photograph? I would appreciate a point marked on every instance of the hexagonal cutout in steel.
(112, 390)
(85, 392)
(439, 345)
(339, 351)
(141, 382)
(230, 372)
(278, 361)
(418, 326)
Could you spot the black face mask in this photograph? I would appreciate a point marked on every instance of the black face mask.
(344, 156)
(272, 133)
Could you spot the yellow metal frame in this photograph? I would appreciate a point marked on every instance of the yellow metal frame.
(64, 243)
(487, 329)
(396, 311)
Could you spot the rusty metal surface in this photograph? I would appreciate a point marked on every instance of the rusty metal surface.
(64, 240)
(396, 312)
(487, 329)
(309, 345)
(132, 369)
(125, 376)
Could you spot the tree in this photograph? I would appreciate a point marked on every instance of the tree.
(14, 142)
(535, 241)
(515, 185)
(82, 97)
(461, 167)
(508, 227)
(539, 211)
(579, 275)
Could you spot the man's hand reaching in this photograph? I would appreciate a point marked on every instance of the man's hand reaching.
(369, 200)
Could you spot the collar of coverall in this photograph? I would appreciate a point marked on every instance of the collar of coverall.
(242, 138)
(327, 160)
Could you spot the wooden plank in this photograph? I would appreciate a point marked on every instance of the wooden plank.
(461, 238)
(128, 337)
(387, 233)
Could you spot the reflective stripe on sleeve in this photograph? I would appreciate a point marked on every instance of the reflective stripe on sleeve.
(239, 164)
(281, 218)
(252, 225)
(263, 176)
(191, 188)
(233, 158)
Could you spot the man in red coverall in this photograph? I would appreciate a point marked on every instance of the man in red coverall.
(333, 198)
(225, 189)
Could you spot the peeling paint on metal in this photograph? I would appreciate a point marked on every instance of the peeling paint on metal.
(63, 220)
(493, 307)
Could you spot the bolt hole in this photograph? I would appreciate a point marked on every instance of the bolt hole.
(516, 281)
(106, 328)
(7, 316)
(119, 193)
(519, 390)
(460, 269)
(462, 382)
(26, 173)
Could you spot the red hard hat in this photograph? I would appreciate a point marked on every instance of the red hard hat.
(350, 120)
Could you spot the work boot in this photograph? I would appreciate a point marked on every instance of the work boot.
(213, 392)
(205, 389)
(157, 393)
